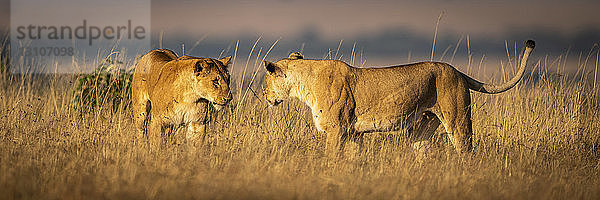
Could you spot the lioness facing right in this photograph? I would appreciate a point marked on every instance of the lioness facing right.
(169, 92)
(347, 102)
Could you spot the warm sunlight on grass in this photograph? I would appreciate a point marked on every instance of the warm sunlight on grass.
(540, 140)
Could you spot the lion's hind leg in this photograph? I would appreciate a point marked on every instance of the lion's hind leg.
(455, 115)
(423, 131)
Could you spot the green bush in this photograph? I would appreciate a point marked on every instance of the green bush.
(109, 86)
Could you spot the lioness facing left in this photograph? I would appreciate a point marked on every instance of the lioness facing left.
(170, 91)
(347, 102)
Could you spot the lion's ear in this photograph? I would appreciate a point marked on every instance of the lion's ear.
(225, 60)
(272, 68)
(296, 55)
(198, 68)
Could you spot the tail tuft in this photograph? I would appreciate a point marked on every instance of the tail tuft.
(530, 44)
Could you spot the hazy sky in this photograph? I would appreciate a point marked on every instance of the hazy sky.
(385, 30)
(338, 19)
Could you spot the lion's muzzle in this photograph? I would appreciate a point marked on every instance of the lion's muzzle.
(223, 100)
(274, 102)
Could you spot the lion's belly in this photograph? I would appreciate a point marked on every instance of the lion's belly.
(391, 110)
(381, 122)
(388, 115)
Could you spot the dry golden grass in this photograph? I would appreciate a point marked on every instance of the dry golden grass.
(537, 141)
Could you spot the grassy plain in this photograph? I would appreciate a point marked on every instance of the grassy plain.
(540, 140)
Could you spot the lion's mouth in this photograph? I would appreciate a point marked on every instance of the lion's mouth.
(275, 102)
(201, 100)
(218, 106)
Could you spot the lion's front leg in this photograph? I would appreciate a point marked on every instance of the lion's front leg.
(142, 123)
(359, 139)
(334, 114)
(338, 133)
(141, 112)
(335, 141)
(196, 132)
(155, 132)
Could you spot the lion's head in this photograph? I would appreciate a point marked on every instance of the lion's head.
(278, 86)
(210, 79)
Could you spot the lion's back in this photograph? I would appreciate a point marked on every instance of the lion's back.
(150, 64)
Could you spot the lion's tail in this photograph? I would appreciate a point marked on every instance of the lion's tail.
(497, 88)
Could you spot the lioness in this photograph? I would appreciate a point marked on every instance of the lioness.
(170, 91)
(347, 102)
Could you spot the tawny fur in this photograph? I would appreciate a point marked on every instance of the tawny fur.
(347, 102)
(169, 92)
